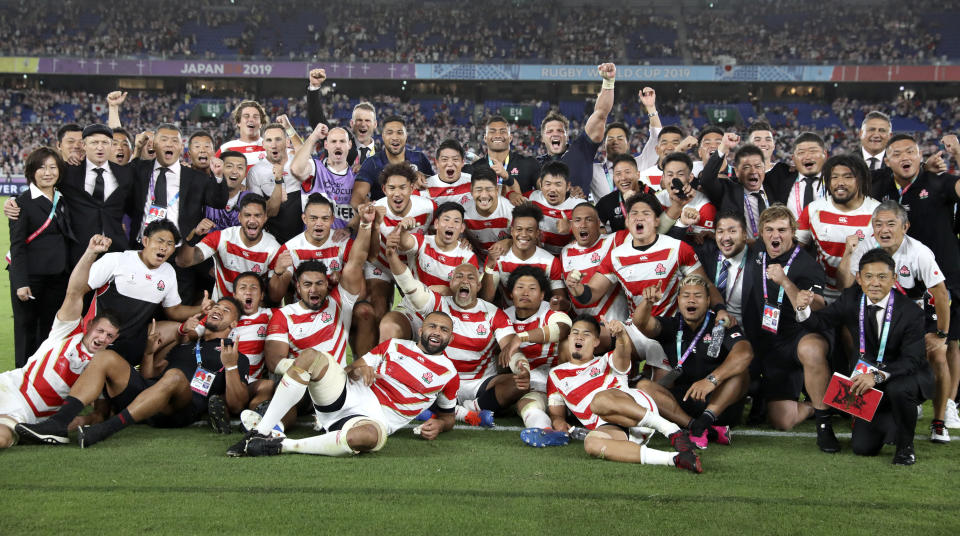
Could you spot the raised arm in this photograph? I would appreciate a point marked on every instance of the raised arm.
(77, 286)
(314, 97)
(114, 100)
(604, 105)
(351, 277)
(302, 165)
(621, 354)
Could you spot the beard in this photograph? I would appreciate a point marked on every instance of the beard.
(431, 348)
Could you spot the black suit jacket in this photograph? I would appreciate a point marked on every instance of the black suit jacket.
(197, 190)
(315, 115)
(523, 169)
(48, 253)
(906, 351)
(727, 195)
(89, 216)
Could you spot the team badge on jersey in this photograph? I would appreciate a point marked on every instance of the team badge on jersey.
(256, 269)
(660, 269)
(595, 258)
(325, 317)
(262, 331)
(334, 265)
(860, 234)
(594, 372)
(904, 271)
(427, 377)
(481, 330)
(160, 285)
(924, 194)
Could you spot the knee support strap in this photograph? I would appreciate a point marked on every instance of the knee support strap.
(361, 421)
(328, 388)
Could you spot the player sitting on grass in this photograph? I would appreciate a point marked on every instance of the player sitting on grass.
(30, 394)
(372, 398)
(194, 372)
(540, 330)
(710, 387)
(621, 419)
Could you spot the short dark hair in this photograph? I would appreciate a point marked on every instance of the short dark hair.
(532, 271)
(252, 274)
(310, 266)
(164, 224)
(496, 119)
(252, 199)
(394, 119)
(557, 169)
(441, 313)
(643, 197)
(199, 134)
(900, 137)
(527, 210)
(447, 206)
(481, 173)
(624, 158)
(316, 198)
(167, 126)
(748, 150)
(125, 133)
(35, 161)
(670, 129)
(69, 127)
(586, 204)
(589, 319)
(402, 169)
(235, 303)
(678, 157)
(451, 143)
(233, 154)
(732, 215)
(709, 130)
(271, 126)
(759, 125)
(109, 315)
(616, 124)
(805, 137)
(857, 166)
(877, 255)
(554, 116)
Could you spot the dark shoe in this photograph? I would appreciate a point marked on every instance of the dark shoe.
(239, 449)
(264, 446)
(680, 440)
(218, 416)
(905, 456)
(88, 436)
(826, 439)
(48, 432)
(688, 460)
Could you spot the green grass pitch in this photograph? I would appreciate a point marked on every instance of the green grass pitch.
(468, 482)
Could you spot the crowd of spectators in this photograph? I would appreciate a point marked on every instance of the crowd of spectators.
(30, 118)
(503, 31)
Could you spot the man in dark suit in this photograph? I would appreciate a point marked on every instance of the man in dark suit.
(875, 131)
(95, 192)
(898, 367)
(510, 166)
(727, 261)
(165, 189)
(363, 121)
(751, 193)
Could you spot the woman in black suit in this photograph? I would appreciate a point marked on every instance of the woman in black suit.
(39, 266)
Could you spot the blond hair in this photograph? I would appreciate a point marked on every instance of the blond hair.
(778, 211)
(249, 104)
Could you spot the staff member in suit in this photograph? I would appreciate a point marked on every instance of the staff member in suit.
(39, 265)
(96, 192)
(165, 189)
(726, 260)
(889, 326)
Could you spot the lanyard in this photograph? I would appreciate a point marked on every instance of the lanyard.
(43, 227)
(903, 191)
(693, 344)
(884, 332)
(785, 270)
(733, 283)
(153, 185)
(196, 352)
(798, 201)
(506, 163)
(608, 173)
(749, 209)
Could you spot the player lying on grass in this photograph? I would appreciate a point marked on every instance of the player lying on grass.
(194, 372)
(372, 398)
(710, 378)
(31, 394)
(621, 419)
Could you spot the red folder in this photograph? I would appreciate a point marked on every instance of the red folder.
(839, 396)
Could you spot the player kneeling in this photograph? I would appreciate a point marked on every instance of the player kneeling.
(372, 398)
(621, 419)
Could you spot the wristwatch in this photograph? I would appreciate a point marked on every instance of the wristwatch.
(713, 379)
(278, 181)
(941, 334)
(877, 377)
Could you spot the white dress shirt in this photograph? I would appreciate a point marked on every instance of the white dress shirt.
(90, 179)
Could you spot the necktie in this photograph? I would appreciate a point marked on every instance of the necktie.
(872, 320)
(722, 278)
(98, 184)
(808, 195)
(874, 162)
(160, 188)
(761, 204)
(363, 153)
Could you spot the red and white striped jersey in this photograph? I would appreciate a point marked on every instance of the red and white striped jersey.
(231, 257)
(829, 228)
(433, 266)
(253, 151)
(325, 330)
(333, 253)
(553, 241)
(613, 304)
(663, 263)
(421, 210)
(651, 177)
(541, 258)
(458, 191)
(575, 385)
(708, 212)
(54, 367)
(488, 230)
(408, 380)
(538, 354)
(476, 332)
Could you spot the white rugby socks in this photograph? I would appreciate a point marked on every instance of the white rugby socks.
(289, 392)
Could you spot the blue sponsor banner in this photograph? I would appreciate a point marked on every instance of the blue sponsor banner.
(13, 186)
(626, 73)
